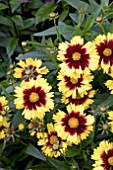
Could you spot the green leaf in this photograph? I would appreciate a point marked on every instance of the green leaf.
(34, 5)
(33, 151)
(18, 118)
(15, 4)
(33, 54)
(11, 46)
(8, 96)
(62, 28)
(50, 65)
(73, 151)
(5, 21)
(28, 22)
(104, 2)
(3, 6)
(17, 19)
(43, 13)
(58, 164)
(77, 4)
(107, 103)
(63, 15)
(89, 23)
(2, 146)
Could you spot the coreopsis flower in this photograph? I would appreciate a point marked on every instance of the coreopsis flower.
(77, 57)
(103, 156)
(29, 68)
(83, 102)
(4, 125)
(34, 97)
(3, 106)
(36, 127)
(109, 84)
(104, 47)
(110, 117)
(74, 126)
(74, 86)
(52, 144)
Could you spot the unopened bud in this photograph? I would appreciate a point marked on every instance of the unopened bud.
(21, 127)
(9, 72)
(99, 19)
(24, 43)
(3, 113)
(105, 127)
(11, 66)
(103, 109)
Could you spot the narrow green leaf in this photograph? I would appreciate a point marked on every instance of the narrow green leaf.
(15, 4)
(17, 19)
(43, 13)
(5, 21)
(33, 151)
(18, 118)
(104, 2)
(28, 22)
(58, 164)
(77, 4)
(62, 28)
(3, 6)
(12, 46)
(63, 15)
(34, 5)
(107, 103)
(89, 23)
(2, 146)
(33, 54)
(73, 151)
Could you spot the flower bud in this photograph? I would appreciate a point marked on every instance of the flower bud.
(99, 19)
(103, 109)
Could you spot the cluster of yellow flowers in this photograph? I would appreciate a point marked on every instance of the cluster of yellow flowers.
(71, 125)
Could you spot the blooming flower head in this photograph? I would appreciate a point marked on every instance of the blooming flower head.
(77, 57)
(36, 126)
(34, 97)
(29, 68)
(53, 145)
(4, 125)
(3, 105)
(103, 156)
(104, 47)
(74, 86)
(110, 117)
(83, 102)
(109, 84)
(74, 126)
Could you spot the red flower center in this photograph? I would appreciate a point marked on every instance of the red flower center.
(76, 56)
(73, 122)
(107, 52)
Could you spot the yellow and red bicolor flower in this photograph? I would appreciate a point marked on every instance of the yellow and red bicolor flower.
(30, 68)
(74, 126)
(34, 97)
(103, 156)
(52, 144)
(77, 57)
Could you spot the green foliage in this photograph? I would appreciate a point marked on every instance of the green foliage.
(27, 30)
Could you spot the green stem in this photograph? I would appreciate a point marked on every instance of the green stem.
(103, 28)
(58, 34)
